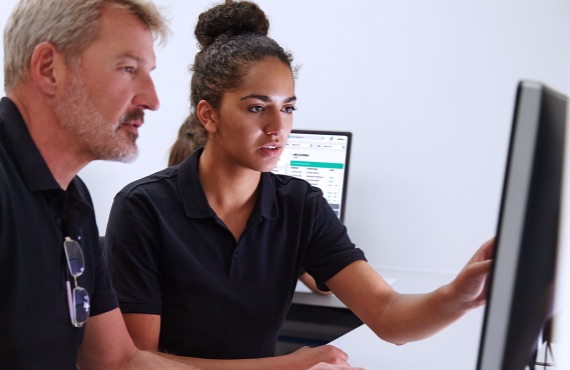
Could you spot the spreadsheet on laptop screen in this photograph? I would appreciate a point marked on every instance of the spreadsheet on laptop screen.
(322, 159)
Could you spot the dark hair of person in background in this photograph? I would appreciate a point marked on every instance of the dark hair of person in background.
(187, 141)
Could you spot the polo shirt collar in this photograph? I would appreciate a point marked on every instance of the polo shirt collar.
(193, 196)
(267, 201)
(32, 165)
(194, 199)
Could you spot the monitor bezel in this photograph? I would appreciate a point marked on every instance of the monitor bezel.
(506, 340)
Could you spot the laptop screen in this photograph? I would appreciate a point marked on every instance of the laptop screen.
(322, 159)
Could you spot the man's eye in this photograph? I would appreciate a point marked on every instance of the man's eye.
(256, 109)
(130, 70)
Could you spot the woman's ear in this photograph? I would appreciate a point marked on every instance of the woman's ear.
(207, 116)
(45, 65)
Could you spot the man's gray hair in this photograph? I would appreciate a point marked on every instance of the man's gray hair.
(70, 25)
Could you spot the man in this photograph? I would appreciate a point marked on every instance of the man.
(77, 80)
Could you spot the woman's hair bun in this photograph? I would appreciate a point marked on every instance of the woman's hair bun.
(229, 19)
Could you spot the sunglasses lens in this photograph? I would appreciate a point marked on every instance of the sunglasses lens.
(74, 257)
(80, 306)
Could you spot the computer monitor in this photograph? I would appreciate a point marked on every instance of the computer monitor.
(521, 285)
(322, 158)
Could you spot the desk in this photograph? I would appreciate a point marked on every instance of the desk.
(303, 295)
(454, 348)
(315, 320)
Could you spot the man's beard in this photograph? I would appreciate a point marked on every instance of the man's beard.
(102, 139)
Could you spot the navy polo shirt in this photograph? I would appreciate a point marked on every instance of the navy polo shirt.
(218, 298)
(35, 216)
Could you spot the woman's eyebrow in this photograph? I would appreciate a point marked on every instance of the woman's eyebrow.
(266, 98)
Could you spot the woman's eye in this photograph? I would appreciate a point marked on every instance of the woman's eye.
(289, 109)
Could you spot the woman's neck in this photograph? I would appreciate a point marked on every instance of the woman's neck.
(231, 191)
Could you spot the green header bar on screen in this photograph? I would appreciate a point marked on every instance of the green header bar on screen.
(339, 166)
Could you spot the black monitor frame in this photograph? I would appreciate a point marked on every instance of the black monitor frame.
(521, 282)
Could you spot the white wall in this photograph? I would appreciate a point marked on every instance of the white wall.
(427, 88)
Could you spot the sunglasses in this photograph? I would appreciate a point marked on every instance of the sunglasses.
(77, 298)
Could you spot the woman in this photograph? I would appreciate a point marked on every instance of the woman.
(206, 254)
(186, 142)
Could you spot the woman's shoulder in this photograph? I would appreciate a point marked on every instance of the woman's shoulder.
(156, 180)
(286, 184)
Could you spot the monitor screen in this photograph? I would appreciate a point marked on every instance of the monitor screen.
(521, 283)
(322, 159)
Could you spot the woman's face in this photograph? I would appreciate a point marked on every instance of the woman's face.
(254, 120)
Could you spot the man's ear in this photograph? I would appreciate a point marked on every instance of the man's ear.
(46, 66)
(207, 116)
